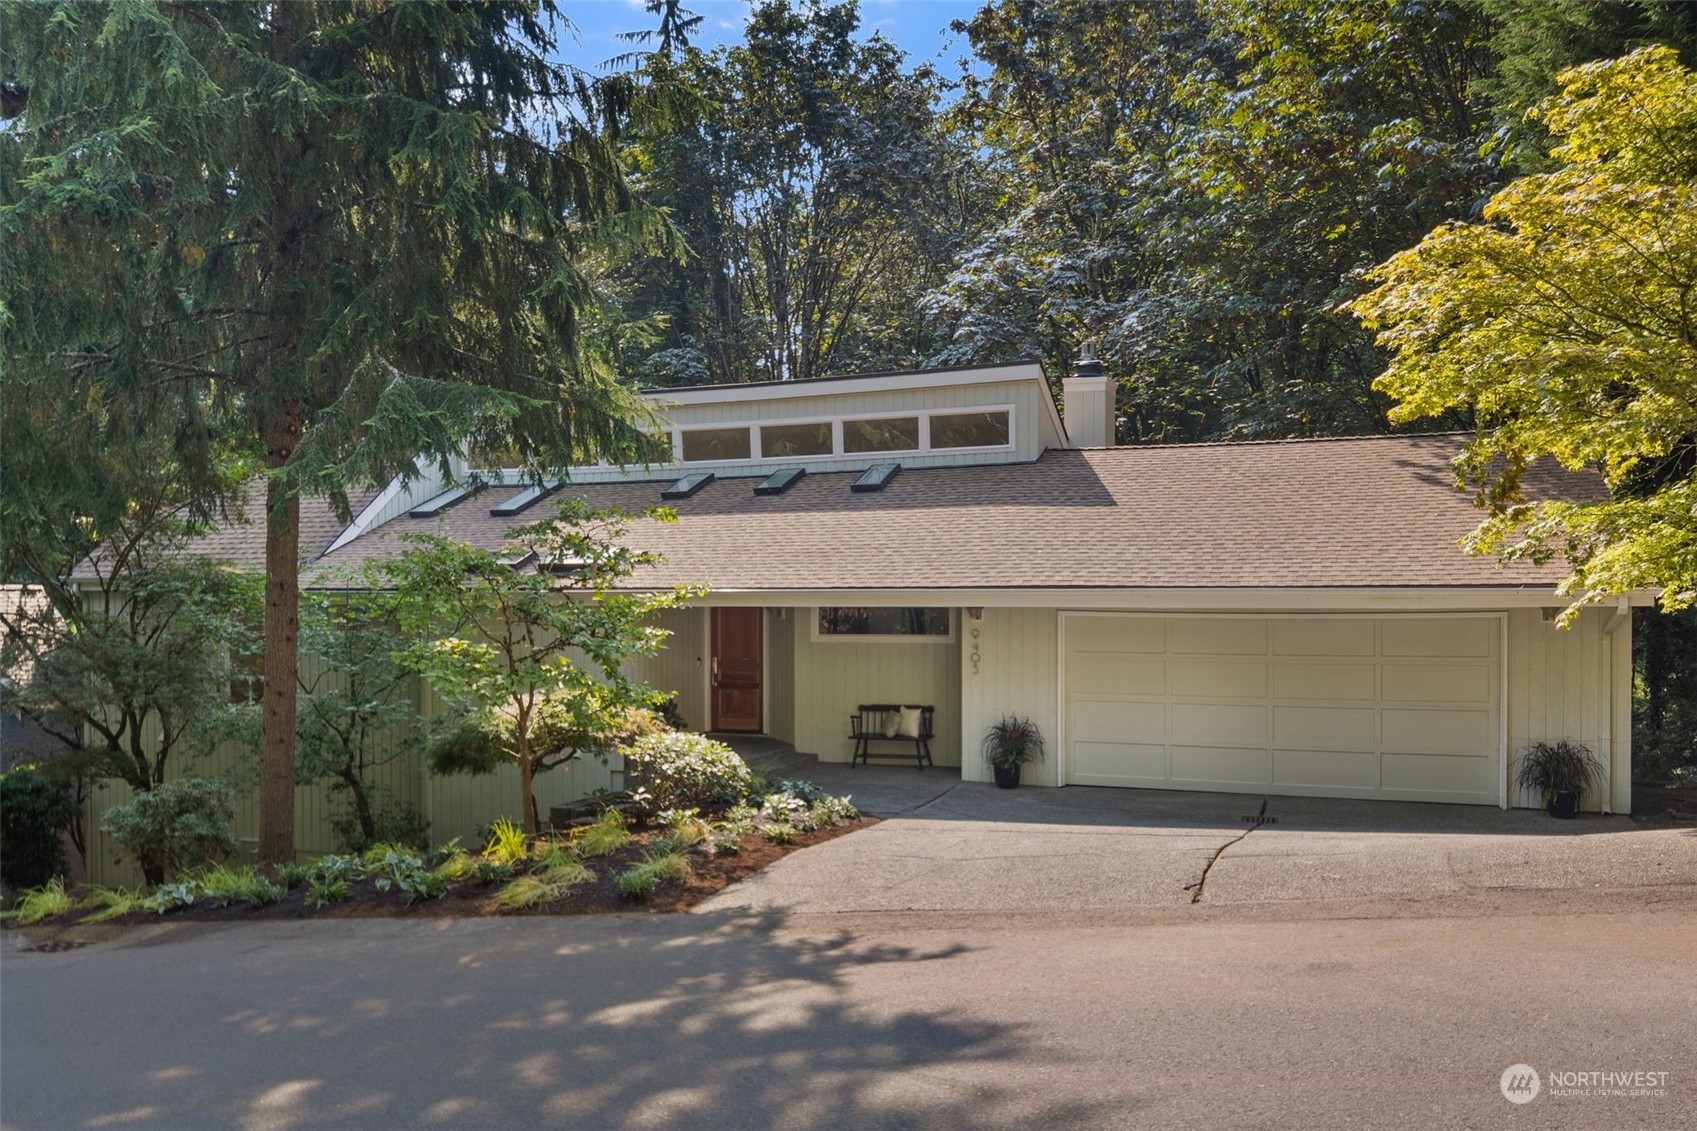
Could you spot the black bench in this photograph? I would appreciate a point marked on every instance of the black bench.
(871, 723)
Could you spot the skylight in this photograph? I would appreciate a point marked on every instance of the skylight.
(875, 477)
(436, 504)
(529, 497)
(779, 481)
(688, 485)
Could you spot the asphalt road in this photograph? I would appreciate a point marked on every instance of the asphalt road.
(1161, 1018)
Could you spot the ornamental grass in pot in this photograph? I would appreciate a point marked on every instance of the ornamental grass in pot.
(1009, 744)
(1561, 773)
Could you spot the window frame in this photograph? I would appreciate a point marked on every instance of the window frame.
(883, 638)
(746, 429)
(987, 410)
(832, 424)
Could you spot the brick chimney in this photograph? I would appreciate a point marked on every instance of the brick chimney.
(1089, 402)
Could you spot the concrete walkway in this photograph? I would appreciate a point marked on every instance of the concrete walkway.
(948, 845)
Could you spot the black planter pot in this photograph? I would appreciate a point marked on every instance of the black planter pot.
(1007, 777)
(1564, 803)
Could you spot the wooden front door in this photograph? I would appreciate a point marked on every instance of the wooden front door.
(738, 657)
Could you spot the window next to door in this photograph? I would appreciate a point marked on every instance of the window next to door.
(916, 625)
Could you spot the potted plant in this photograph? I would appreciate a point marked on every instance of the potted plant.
(1009, 744)
(1560, 772)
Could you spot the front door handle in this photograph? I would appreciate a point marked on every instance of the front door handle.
(715, 671)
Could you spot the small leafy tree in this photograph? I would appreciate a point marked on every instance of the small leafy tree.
(1564, 323)
(533, 638)
(176, 826)
(354, 712)
(140, 661)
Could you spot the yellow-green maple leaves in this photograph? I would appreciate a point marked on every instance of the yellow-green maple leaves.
(1566, 321)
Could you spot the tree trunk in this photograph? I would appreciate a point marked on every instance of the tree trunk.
(362, 806)
(280, 424)
(527, 775)
(282, 612)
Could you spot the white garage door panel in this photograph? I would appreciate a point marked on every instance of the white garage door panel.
(1393, 707)
(1326, 769)
(1104, 673)
(1219, 724)
(1326, 728)
(1118, 763)
(1352, 680)
(1317, 636)
(1217, 637)
(1215, 679)
(1437, 636)
(1421, 683)
(1118, 634)
(1455, 777)
(1216, 765)
(1435, 731)
(1107, 720)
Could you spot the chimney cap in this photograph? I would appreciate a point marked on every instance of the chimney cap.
(1087, 364)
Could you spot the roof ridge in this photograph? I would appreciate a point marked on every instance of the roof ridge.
(964, 367)
(1270, 443)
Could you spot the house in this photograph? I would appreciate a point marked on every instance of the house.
(1290, 617)
(23, 738)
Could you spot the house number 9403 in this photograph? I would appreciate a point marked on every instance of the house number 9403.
(974, 655)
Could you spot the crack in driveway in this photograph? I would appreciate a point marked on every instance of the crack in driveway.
(1201, 885)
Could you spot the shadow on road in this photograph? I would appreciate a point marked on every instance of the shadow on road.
(624, 1021)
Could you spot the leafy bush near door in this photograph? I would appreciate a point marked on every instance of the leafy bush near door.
(681, 770)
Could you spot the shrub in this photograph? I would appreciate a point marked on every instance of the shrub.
(113, 903)
(167, 896)
(404, 871)
(222, 886)
(506, 843)
(34, 808)
(728, 836)
(804, 807)
(322, 891)
(687, 771)
(333, 867)
(552, 853)
(292, 875)
(397, 822)
(686, 825)
(176, 826)
(636, 883)
(603, 838)
(493, 871)
(661, 863)
(456, 863)
(542, 887)
(40, 903)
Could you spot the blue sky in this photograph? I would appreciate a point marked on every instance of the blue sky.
(919, 27)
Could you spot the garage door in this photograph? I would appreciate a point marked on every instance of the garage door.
(1403, 708)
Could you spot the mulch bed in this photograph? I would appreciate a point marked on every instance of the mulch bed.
(469, 898)
(1658, 806)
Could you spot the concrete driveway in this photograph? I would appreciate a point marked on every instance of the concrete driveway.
(947, 845)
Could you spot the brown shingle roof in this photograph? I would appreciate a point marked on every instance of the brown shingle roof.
(240, 538)
(1373, 511)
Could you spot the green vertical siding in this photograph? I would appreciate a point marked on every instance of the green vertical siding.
(1007, 667)
(833, 677)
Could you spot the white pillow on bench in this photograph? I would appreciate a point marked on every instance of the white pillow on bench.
(911, 722)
